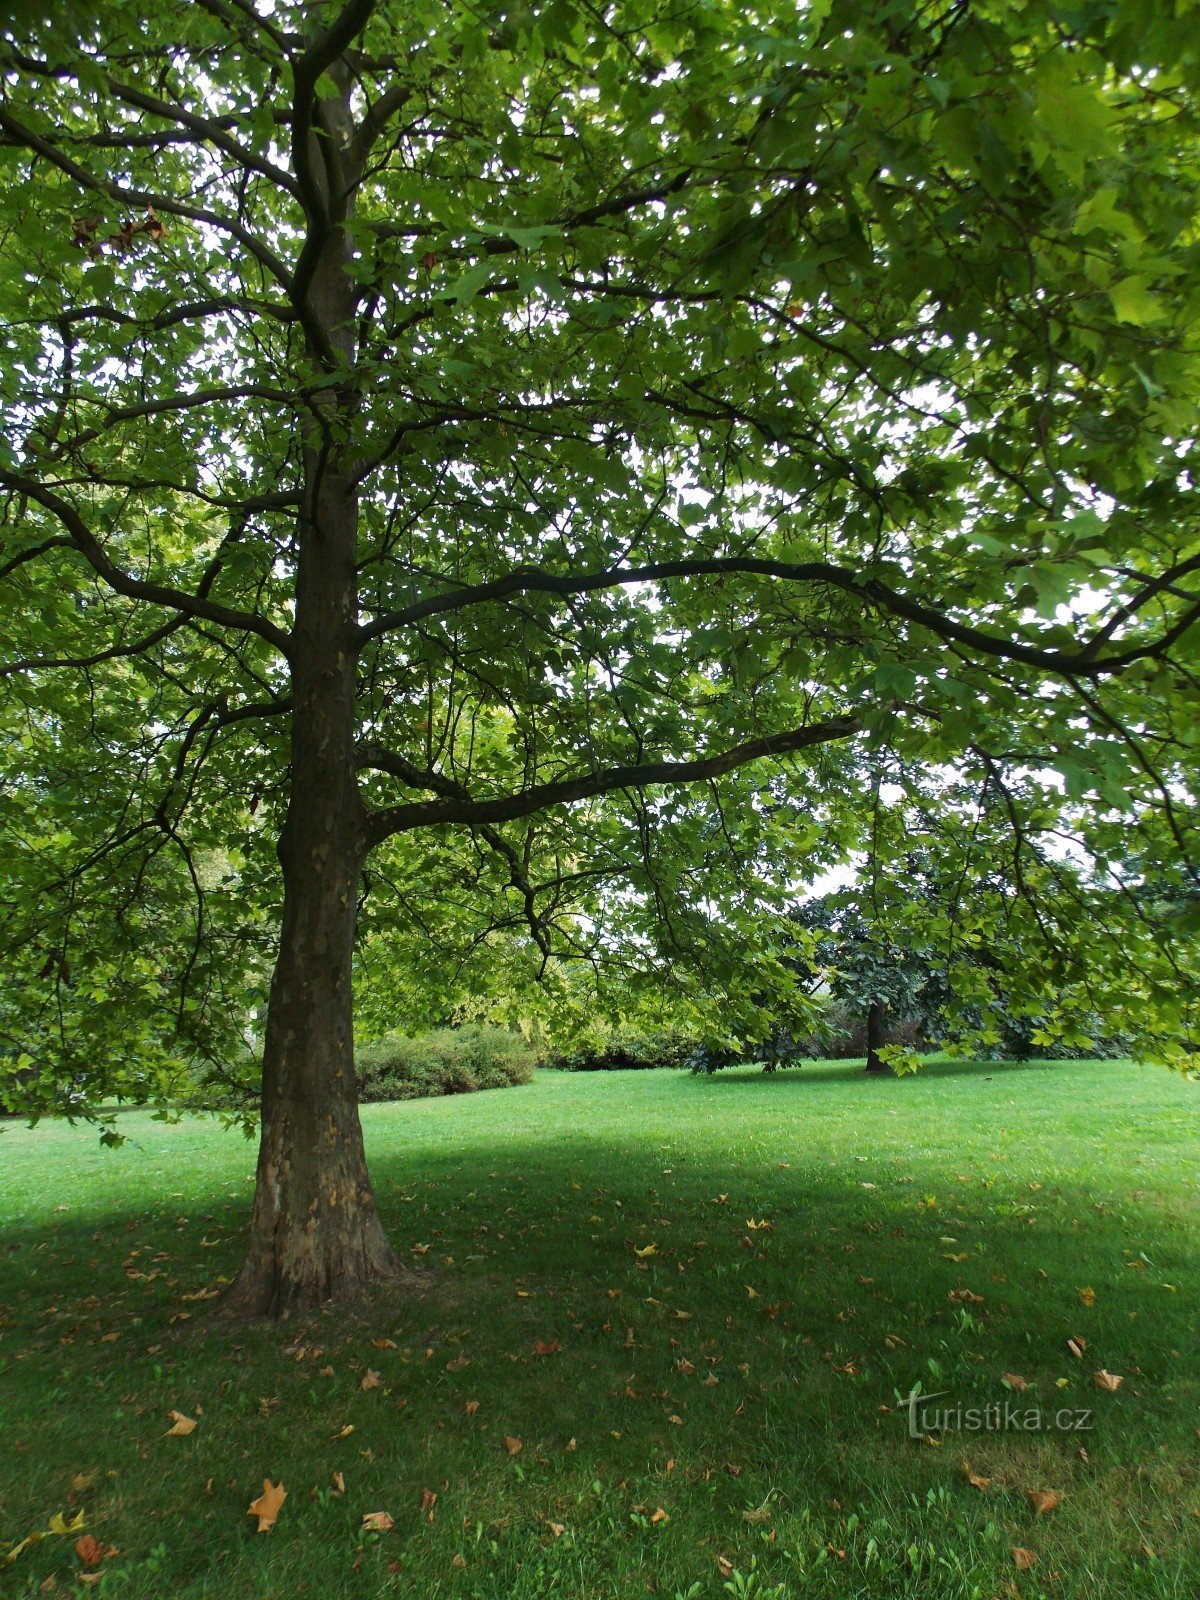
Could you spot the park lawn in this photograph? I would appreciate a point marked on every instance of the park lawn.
(732, 1281)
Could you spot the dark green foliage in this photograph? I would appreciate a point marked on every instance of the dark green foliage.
(446, 1061)
(626, 1048)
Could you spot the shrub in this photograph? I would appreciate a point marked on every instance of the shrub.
(624, 1047)
(446, 1061)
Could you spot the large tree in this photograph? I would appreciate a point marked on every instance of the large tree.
(516, 436)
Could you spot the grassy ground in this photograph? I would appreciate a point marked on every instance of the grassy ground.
(733, 1281)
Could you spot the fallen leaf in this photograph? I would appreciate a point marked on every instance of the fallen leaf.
(1108, 1381)
(1043, 1500)
(1077, 1347)
(471, 1407)
(659, 1516)
(181, 1426)
(1023, 1559)
(513, 1446)
(345, 1432)
(725, 1566)
(645, 1252)
(428, 1501)
(59, 1524)
(82, 1481)
(266, 1508)
(958, 1297)
(371, 1379)
(557, 1529)
(324, 1372)
(544, 1348)
(459, 1362)
(974, 1479)
(378, 1522)
(89, 1550)
(1087, 1297)
(1015, 1382)
(686, 1367)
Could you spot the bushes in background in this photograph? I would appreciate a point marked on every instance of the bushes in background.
(446, 1061)
(623, 1047)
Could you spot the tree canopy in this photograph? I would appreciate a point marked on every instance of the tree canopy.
(515, 465)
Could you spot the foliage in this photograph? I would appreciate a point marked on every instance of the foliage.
(625, 1046)
(445, 1061)
(548, 1192)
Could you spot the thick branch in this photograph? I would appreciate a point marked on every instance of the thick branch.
(191, 605)
(525, 580)
(474, 812)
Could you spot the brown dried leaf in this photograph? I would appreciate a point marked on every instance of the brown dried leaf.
(974, 1478)
(378, 1522)
(471, 1407)
(266, 1508)
(1043, 1500)
(181, 1426)
(371, 1379)
(1110, 1382)
(513, 1446)
(89, 1550)
(546, 1347)
(1023, 1559)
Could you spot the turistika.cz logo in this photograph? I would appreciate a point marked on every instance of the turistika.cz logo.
(925, 1416)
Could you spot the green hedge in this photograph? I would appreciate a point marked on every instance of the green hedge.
(625, 1047)
(446, 1061)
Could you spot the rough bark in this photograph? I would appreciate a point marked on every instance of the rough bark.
(315, 1233)
(876, 1023)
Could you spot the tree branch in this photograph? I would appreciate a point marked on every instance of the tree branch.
(564, 791)
(191, 605)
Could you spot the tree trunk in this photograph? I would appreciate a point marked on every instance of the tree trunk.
(315, 1232)
(876, 1021)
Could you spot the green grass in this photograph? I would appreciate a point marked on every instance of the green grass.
(531, 1203)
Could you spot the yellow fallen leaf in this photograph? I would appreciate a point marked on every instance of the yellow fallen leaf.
(1043, 1500)
(1087, 1297)
(267, 1507)
(181, 1426)
(659, 1516)
(59, 1524)
(646, 1251)
(345, 1432)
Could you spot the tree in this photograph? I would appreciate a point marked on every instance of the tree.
(524, 440)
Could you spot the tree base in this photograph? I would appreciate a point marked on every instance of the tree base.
(305, 1273)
